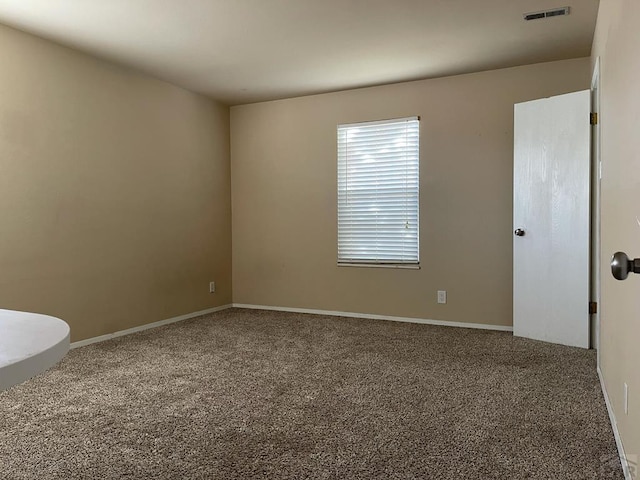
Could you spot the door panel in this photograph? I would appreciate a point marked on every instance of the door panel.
(551, 205)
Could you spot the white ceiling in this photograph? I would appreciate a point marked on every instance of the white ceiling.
(242, 51)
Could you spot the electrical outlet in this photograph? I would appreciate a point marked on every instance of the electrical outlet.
(626, 399)
(442, 296)
(212, 287)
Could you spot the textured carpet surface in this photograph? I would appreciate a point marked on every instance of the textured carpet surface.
(257, 394)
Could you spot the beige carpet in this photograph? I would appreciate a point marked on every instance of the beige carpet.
(256, 394)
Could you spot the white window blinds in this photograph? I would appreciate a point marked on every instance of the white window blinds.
(378, 192)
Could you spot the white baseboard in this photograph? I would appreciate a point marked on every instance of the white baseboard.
(147, 326)
(444, 323)
(614, 425)
(187, 316)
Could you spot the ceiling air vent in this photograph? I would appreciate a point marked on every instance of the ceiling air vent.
(556, 12)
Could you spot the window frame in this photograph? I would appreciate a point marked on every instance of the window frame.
(412, 161)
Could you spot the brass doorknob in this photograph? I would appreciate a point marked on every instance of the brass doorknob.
(621, 266)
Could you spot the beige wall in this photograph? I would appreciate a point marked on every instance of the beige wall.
(114, 191)
(617, 43)
(283, 165)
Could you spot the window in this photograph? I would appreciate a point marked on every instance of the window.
(378, 192)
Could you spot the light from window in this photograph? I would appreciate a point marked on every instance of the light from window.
(378, 192)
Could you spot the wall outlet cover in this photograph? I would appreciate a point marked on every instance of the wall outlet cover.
(442, 296)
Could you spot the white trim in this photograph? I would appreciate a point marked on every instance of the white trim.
(444, 323)
(120, 333)
(408, 266)
(147, 326)
(596, 216)
(595, 75)
(614, 425)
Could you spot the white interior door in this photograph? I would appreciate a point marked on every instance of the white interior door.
(551, 207)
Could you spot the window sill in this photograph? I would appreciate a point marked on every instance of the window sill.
(382, 265)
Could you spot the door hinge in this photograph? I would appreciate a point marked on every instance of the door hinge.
(593, 118)
(593, 308)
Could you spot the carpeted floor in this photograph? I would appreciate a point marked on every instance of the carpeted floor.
(257, 394)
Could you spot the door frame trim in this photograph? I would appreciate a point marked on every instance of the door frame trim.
(596, 161)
